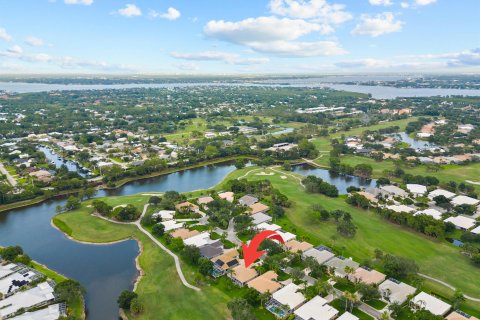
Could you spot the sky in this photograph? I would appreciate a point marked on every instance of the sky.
(239, 36)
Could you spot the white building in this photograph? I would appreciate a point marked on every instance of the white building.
(476, 230)
(401, 208)
(417, 189)
(427, 302)
(321, 256)
(441, 192)
(430, 212)
(316, 309)
(164, 215)
(395, 291)
(347, 316)
(461, 200)
(260, 217)
(461, 222)
(289, 296)
(199, 240)
(42, 293)
(52, 312)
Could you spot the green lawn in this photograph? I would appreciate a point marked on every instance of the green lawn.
(436, 258)
(377, 304)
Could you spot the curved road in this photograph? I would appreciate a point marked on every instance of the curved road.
(10, 179)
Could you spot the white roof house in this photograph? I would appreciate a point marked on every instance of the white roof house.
(347, 316)
(401, 208)
(52, 312)
(172, 225)
(459, 200)
(286, 236)
(395, 291)
(269, 226)
(26, 299)
(321, 256)
(394, 191)
(430, 212)
(164, 214)
(462, 222)
(476, 230)
(16, 280)
(260, 217)
(340, 264)
(316, 309)
(441, 192)
(417, 189)
(199, 240)
(289, 296)
(435, 306)
(7, 269)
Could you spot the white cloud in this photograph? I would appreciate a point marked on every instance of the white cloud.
(405, 5)
(381, 2)
(4, 35)
(320, 10)
(129, 11)
(274, 35)
(227, 57)
(15, 50)
(82, 2)
(424, 2)
(171, 14)
(260, 29)
(35, 42)
(377, 25)
(38, 57)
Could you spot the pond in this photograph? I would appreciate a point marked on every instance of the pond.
(58, 161)
(104, 270)
(342, 182)
(415, 144)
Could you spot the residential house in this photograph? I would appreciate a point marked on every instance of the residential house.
(287, 299)
(347, 316)
(298, 246)
(441, 192)
(42, 175)
(461, 200)
(417, 189)
(211, 250)
(462, 223)
(163, 215)
(187, 206)
(434, 213)
(241, 275)
(204, 200)
(339, 264)
(425, 301)
(247, 200)
(401, 208)
(258, 207)
(199, 240)
(225, 261)
(395, 291)
(229, 196)
(184, 233)
(367, 276)
(265, 282)
(172, 225)
(320, 254)
(458, 315)
(394, 191)
(37, 296)
(260, 217)
(52, 312)
(268, 226)
(316, 309)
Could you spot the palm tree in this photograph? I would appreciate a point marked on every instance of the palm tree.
(350, 300)
(265, 297)
(349, 271)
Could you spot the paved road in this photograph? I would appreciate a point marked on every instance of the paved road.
(231, 235)
(158, 243)
(10, 179)
(447, 285)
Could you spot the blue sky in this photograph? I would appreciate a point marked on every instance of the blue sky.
(239, 36)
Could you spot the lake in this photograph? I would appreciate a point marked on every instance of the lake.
(104, 270)
(342, 182)
(58, 161)
(378, 92)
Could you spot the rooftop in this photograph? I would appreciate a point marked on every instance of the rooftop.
(289, 296)
(347, 316)
(260, 218)
(432, 304)
(462, 222)
(184, 233)
(243, 274)
(396, 291)
(265, 282)
(295, 246)
(321, 256)
(368, 276)
(25, 299)
(459, 200)
(258, 207)
(316, 309)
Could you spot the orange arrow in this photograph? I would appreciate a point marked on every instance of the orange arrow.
(250, 253)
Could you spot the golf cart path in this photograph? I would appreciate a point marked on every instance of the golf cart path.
(159, 244)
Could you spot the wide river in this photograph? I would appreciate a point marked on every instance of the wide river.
(378, 92)
(106, 270)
